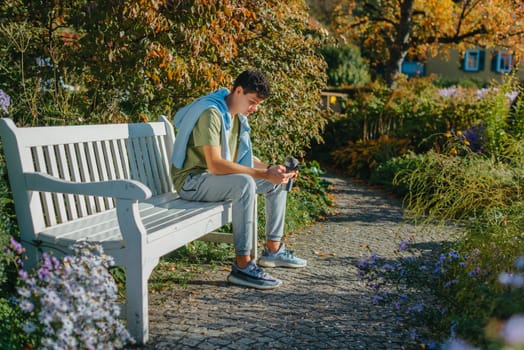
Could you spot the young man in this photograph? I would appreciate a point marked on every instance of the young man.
(213, 161)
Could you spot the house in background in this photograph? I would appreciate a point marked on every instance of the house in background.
(475, 64)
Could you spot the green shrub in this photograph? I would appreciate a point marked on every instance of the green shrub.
(516, 118)
(361, 158)
(386, 172)
(12, 336)
(309, 200)
(465, 83)
(421, 112)
(346, 67)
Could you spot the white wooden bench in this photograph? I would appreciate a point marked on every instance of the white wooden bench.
(109, 184)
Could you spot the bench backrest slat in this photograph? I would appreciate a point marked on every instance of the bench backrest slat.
(85, 154)
(65, 170)
(74, 175)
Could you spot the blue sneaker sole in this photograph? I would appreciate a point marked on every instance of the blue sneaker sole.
(258, 285)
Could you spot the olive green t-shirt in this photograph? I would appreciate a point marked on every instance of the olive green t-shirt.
(206, 132)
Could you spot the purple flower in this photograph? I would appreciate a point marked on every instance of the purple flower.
(450, 283)
(377, 298)
(432, 345)
(512, 95)
(454, 254)
(457, 344)
(43, 273)
(397, 305)
(450, 92)
(403, 245)
(513, 331)
(482, 93)
(5, 101)
(23, 275)
(507, 279)
(417, 308)
(475, 272)
(56, 262)
(387, 267)
(17, 246)
(475, 137)
(452, 329)
(519, 264)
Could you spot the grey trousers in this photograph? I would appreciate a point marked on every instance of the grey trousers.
(242, 190)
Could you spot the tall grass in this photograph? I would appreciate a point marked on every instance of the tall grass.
(448, 187)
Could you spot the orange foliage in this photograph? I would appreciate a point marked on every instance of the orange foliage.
(435, 25)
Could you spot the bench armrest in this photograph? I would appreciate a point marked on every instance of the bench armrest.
(122, 189)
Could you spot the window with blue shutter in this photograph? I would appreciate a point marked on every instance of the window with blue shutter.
(503, 62)
(474, 60)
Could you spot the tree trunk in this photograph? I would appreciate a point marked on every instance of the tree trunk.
(399, 49)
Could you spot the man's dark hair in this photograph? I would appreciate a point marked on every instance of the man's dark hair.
(252, 80)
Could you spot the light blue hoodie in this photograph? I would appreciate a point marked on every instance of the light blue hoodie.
(186, 118)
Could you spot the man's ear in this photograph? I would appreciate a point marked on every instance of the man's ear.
(239, 90)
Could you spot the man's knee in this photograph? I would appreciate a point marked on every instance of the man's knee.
(246, 184)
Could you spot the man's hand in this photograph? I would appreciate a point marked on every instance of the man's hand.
(276, 174)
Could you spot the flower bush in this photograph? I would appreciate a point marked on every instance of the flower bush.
(483, 194)
(407, 284)
(69, 303)
(423, 114)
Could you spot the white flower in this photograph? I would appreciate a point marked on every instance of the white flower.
(26, 306)
(29, 327)
(47, 342)
(77, 291)
(24, 291)
(48, 330)
(67, 325)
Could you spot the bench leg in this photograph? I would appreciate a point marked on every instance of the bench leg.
(137, 300)
(33, 257)
(254, 240)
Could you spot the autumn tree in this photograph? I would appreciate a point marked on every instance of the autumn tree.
(111, 61)
(389, 30)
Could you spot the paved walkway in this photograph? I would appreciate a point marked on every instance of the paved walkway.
(324, 306)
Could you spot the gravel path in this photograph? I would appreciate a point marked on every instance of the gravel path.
(324, 306)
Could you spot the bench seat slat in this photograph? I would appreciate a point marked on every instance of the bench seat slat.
(158, 220)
